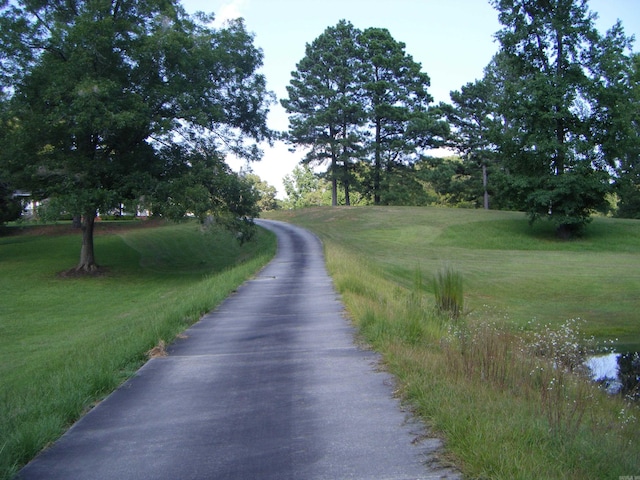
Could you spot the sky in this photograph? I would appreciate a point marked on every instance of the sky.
(453, 40)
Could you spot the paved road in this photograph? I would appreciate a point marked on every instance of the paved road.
(267, 386)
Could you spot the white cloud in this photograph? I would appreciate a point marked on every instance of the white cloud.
(230, 10)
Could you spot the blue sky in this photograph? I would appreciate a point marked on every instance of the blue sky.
(453, 40)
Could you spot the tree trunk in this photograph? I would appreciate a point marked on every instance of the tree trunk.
(87, 257)
(565, 231)
(334, 181)
(347, 198)
(484, 184)
(345, 164)
(377, 168)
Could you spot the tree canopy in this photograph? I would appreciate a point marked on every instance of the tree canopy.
(473, 117)
(554, 121)
(324, 109)
(553, 141)
(108, 102)
(114, 101)
(358, 100)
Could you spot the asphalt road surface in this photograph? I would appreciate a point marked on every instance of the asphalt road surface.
(270, 385)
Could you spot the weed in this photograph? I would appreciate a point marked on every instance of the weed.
(565, 346)
(560, 373)
(449, 292)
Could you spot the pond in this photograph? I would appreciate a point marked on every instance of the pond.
(618, 373)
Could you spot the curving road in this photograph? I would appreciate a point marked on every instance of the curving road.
(268, 386)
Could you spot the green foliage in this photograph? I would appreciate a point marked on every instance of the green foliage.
(305, 189)
(451, 181)
(58, 362)
(568, 200)
(324, 111)
(403, 185)
(99, 91)
(10, 207)
(265, 193)
(359, 101)
(474, 120)
(204, 186)
(622, 133)
(396, 102)
(629, 204)
(554, 85)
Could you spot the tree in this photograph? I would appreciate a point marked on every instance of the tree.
(556, 169)
(117, 101)
(357, 97)
(198, 182)
(628, 171)
(266, 193)
(473, 118)
(616, 117)
(404, 185)
(10, 207)
(306, 189)
(324, 110)
(396, 103)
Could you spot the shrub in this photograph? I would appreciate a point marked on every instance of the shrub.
(449, 292)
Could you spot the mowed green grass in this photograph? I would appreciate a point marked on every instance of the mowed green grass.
(67, 342)
(513, 271)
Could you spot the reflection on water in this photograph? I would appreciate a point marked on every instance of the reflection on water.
(618, 373)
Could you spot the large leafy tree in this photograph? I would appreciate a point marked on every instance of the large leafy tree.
(114, 100)
(556, 167)
(324, 106)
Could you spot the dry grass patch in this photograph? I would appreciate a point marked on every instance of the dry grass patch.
(160, 350)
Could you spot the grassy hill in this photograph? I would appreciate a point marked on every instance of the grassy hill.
(67, 342)
(512, 271)
(503, 384)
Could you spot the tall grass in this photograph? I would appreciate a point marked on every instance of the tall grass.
(506, 395)
(505, 407)
(67, 342)
(449, 292)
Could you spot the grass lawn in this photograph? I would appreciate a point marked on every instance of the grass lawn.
(504, 391)
(67, 342)
(504, 408)
(512, 271)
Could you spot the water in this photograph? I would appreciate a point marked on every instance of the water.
(618, 373)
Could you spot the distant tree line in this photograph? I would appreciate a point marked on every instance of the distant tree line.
(552, 128)
(138, 103)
